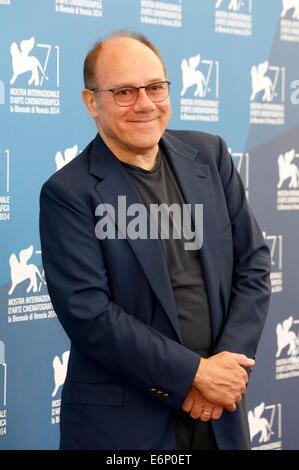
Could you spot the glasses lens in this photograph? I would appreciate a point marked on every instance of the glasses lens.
(125, 96)
(158, 91)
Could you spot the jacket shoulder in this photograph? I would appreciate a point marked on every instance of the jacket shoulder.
(193, 136)
(74, 174)
(209, 147)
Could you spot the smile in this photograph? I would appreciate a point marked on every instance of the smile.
(143, 121)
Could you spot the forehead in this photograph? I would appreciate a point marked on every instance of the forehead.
(124, 60)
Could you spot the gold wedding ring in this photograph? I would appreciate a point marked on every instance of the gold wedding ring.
(205, 413)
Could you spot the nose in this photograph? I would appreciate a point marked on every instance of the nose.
(143, 102)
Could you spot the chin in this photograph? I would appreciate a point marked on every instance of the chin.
(147, 137)
(146, 143)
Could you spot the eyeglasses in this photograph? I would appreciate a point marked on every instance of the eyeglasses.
(126, 96)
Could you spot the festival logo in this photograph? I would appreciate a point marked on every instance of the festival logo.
(234, 5)
(294, 97)
(80, 7)
(3, 387)
(166, 13)
(4, 185)
(287, 352)
(241, 162)
(68, 155)
(23, 62)
(288, 170)
(200, 79)
(288, 181)
(267, 94)
(30, 300)
(21, 271)
(275, 243)
(289, 21)
(290, 6)
(28, 94)
(265, 427)
(59, 370)
(233, 17)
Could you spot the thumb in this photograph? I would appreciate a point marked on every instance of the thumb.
(243, 360)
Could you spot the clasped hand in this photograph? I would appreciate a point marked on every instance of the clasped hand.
(219, 384)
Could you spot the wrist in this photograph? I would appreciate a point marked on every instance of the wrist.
(198, 376)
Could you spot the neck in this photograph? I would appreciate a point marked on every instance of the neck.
(145, 158)
(145, 161)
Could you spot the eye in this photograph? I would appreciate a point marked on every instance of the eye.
(124, 92)
(156, 87)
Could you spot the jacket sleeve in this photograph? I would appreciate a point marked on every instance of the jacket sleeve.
(79, 290)
(251, 288)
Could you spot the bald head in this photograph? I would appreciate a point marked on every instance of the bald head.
(107, 48)
(132, 130)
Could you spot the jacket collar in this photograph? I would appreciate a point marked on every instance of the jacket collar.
(102, 160)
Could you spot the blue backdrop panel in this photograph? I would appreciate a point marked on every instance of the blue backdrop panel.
(233, 68)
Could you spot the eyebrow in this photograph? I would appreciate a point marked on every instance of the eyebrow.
(125, 85)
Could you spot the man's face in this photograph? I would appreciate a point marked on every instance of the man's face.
(135, 129)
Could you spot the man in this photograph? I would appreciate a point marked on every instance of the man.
(162, 338)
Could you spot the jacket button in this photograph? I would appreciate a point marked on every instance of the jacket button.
(159, 393)
(153, 390)
(166, 396)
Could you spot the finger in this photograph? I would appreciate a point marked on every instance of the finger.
(243, 389)
(217, 412)
(188, 403)
(243, 360)
(239, 399)
(231, 407)
(244, 375)
(205, 415)
(195, 412)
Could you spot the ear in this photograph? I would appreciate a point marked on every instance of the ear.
(89, 99)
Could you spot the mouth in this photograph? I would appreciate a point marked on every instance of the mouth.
(143, 121)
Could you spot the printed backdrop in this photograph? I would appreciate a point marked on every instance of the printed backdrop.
(233, 66)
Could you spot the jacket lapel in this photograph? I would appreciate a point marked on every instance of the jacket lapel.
(194, 180)
(115, 182)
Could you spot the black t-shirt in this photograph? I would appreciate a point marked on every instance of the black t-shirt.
(158, 186)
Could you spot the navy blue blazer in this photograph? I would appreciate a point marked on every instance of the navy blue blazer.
(128, 369)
